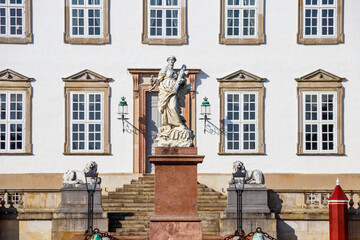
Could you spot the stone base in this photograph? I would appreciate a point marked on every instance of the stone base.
(266, 222)
(254, 199)
(75, 199)
(175, 230)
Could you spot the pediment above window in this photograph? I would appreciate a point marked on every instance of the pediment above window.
(86, 76)
(320, 76)
(10, 75)
(241, 76)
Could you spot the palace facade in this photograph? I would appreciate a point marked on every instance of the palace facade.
(281, 78)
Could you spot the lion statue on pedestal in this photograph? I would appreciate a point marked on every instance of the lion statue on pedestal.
(251, 176)
(78, 177)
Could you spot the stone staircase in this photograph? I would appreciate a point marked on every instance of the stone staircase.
(129, 208)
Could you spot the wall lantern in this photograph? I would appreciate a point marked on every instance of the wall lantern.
(205, 111)
(123, 111)
(239, 182)
(91, 179)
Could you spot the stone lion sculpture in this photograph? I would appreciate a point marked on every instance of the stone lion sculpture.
(251, 176)
(78, 177)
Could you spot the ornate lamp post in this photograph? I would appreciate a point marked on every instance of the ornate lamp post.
(123, 111)
(239, 182)
(205, 111)
(91, 182)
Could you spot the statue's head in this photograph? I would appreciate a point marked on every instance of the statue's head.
(171, 60)
(238, 165)
(91, 167)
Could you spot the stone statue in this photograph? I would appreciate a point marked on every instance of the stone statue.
(78, 177)
(172, 90)
(251, 176)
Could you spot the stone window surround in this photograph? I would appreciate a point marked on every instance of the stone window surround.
(87, 40)
(165, 41)
(322, 40)
(13, 81)
(260, 39)
(320, 81)
(141, 84)
(28, 37)
(242, 81)
(87, 81)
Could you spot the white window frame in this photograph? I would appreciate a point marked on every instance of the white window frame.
(86, 7)
(164, 8)
(319, 121)
(320, 7)
(241, 9)
(241, 122)
(86, 121)
(8, 121)
(8, 6)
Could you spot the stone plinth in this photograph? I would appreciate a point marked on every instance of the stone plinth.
(254, 199)
(176, 214)
(74, 199)
(72, 217)
(256, 212)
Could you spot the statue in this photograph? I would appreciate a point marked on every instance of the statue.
(251, 176)
(172, 90)
(76, 177)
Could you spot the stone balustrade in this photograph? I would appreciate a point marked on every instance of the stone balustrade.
(310, 201)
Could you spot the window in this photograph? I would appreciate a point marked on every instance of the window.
(241, 121)
(87, 114)
(242, 22)
(15, 96)
(87, 22)
(87, 121)
(164, 22)
(320, 114)
(320, 22)
(15, 21)
(241, 114)
(12, 121)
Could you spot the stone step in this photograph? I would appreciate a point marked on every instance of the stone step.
(131, 205)
(135, 189)
(127, 209)
(122, 200)
(212, 208)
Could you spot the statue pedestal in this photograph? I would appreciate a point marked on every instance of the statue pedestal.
(256, 212)
(254, 199)
(176, 214)
(72, 217)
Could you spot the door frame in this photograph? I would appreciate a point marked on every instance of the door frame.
(141, 83)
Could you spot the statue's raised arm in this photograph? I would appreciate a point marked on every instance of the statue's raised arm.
(172, 90)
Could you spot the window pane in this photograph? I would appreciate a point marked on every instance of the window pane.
(311, 137)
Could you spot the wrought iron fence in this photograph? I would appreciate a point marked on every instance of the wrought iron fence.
(258, 234)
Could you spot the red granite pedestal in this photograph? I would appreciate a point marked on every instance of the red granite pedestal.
(176, 214)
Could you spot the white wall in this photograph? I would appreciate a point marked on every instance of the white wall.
(280, 60)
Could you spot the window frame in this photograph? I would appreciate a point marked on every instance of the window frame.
(182, 37)
(104, 38)
(13, 82)
(244, 82)
(259, 37)
(336, 38)
(89, 82)
(320, 82)
(241, 122)
(27, 36)
(87, 121)
(9, 122)
(319, 122)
